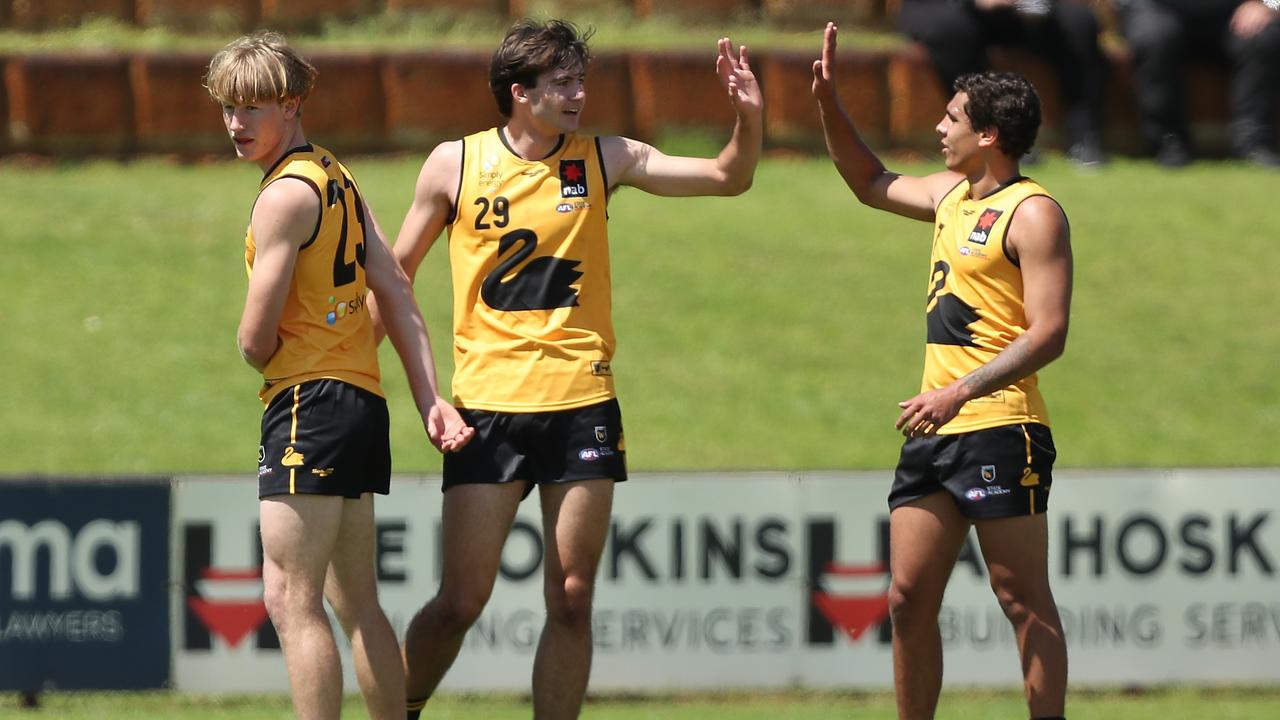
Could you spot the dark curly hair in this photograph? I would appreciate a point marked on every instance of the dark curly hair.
(531, 48)
(1006, 102)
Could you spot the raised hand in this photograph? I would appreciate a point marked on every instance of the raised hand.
(738, 79)
(824, 70)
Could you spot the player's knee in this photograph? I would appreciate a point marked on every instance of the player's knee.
(569, 601)
(1016, 602)
(909, 606)
(461, 609)
(287, 605)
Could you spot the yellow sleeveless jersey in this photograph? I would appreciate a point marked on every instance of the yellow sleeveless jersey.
(532, 299)
(975, 304)
(325, 329)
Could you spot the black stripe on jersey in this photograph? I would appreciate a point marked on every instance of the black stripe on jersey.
(1004, 238)
(604, 176)
(502, 135)
(300, 149)
(604, 173)
(462, 174)
(319, 196)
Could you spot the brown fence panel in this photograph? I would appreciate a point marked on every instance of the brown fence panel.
(222, 15)
(437, 95)
(916, 101)
(610, 108)
(4, 105)
(70, 104)
(498, 7)
(677, 89)
(43, 14)
(295, 13)
(173, 111)
(347, 110)
(704, 8)
(815, 13)
(791, 113)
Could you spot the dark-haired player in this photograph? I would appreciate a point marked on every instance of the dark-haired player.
(978, 451)
(525, 209)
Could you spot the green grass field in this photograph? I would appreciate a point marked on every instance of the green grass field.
(771, 331)
(1160, 704)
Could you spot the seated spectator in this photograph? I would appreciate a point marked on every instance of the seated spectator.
(1246, 33)
(957, 34)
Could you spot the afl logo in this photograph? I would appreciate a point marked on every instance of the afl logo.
(564, 208)
(975, 494)
(590, 454)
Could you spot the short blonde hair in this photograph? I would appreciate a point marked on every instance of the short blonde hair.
(259, 68)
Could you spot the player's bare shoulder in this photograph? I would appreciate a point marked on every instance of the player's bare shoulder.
(1039, 225)
(441, 173)
(286, 208)
(621, 157)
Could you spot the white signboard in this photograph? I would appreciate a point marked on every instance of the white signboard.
(776, 580)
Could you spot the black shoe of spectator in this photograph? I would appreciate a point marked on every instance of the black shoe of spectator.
(1261, 156)
(1086, 154)
(1172, 151)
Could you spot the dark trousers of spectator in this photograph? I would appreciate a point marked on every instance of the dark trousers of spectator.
(957, 36)
(1161, 37)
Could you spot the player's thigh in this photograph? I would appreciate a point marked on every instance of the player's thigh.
(925, 538)
(352, 582)
(299, 533)
(476, 521)
(1016, 551)
(575, 522)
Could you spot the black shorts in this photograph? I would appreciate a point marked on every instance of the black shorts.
(325, 437)
(993, 473)
(546, 447)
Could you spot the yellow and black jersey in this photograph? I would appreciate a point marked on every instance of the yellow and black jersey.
(325, 330)
(532, 298)
(975, 304)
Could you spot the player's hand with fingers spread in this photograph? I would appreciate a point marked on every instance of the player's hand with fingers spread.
(926, 413)
(446, 429)
(738, 79)
(824, 69)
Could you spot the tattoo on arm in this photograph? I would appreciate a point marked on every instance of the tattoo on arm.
(1006, 368)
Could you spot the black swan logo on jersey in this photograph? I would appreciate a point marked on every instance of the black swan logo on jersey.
(947, 317)
(544, 283)
(982, 230)
(573, 178)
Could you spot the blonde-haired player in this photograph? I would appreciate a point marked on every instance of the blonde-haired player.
(313, 252)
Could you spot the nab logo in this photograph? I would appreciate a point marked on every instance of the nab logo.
(573, 178)
(986, 221)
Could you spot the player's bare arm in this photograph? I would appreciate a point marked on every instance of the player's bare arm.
(640, 165)
(408, 333)
(284, 217)
(433, 197)
(1039, 240)
(862, 170)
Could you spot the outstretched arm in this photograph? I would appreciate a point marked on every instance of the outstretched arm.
(640, 165)
(862, 171)
(1040, 241)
